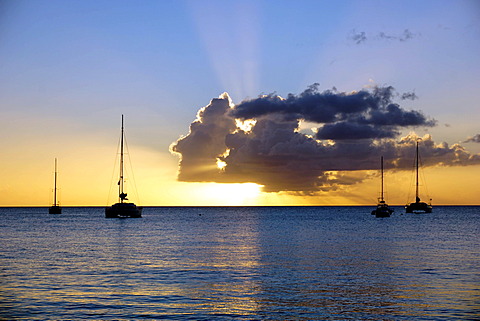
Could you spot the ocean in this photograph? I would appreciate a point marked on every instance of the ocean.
(244, 263)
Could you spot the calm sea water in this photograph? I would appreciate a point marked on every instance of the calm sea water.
(247, 263)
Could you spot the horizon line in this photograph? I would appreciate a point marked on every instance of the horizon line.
(189, 206)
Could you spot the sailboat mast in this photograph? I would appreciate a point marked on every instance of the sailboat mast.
(55, 185)
(382, 176)
(416, 177)
(121, 165)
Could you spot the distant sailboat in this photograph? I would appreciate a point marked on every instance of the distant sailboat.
(382, 210)
(122, 209)
(55, 208)
(418, 206)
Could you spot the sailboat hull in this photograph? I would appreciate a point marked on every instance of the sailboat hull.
(55, 209)
(382, 210)
(123, 210)
(418, 207)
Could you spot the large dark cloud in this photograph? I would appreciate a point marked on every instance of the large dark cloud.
(353, 130)
(347, 130)
(363, 114)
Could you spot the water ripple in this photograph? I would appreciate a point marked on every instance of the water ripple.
(285, 263)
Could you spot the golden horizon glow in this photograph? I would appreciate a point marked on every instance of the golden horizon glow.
(232, 194)
(158, 187)
(84, 181)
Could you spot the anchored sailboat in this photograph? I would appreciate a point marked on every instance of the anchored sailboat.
(418, 206)
(122, 209)
(55, 208)
(382, 210)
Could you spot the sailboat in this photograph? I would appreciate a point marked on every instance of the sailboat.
(122, 209)
(382, 210)
(55, 208)
(418, 206)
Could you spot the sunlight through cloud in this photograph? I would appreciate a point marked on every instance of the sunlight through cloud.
(230, 38)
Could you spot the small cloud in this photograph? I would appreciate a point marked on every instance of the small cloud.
(409, 96)
(407, 34)
(383, 35)
(358, 37)
(361, 36)
(473, 139)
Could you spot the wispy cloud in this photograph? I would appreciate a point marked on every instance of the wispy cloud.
(409, 96)
(474, 139)
(406, 35)
(359, 37)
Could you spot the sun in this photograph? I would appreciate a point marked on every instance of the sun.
(232, 194)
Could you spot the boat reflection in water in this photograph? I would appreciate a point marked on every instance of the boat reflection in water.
(122, 209)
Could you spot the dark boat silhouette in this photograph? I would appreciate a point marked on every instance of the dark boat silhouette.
(55, 208)
(382, 210)
(122, 209)
(418, 206)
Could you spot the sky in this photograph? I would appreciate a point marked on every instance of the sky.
(239, 102)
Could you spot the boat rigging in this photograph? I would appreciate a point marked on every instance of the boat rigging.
(418, 206)
(55, 208)
(122, 209)
(382, 210)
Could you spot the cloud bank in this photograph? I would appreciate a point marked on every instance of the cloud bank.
(264, 141)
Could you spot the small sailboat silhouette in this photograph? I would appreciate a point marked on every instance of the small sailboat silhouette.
(55, 208)
(382, 210)
(418, 206)
(122, 209)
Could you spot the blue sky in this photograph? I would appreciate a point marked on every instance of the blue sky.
(68, 69)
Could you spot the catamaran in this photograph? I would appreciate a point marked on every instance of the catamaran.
(122, 209)
(55, 208)
(382, 210)
(418, 206)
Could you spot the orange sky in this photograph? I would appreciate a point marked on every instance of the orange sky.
(85, 181)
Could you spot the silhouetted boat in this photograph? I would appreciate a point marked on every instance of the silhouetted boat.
(418, 206)
(55, 208)
(382, 210)
(122, 209)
